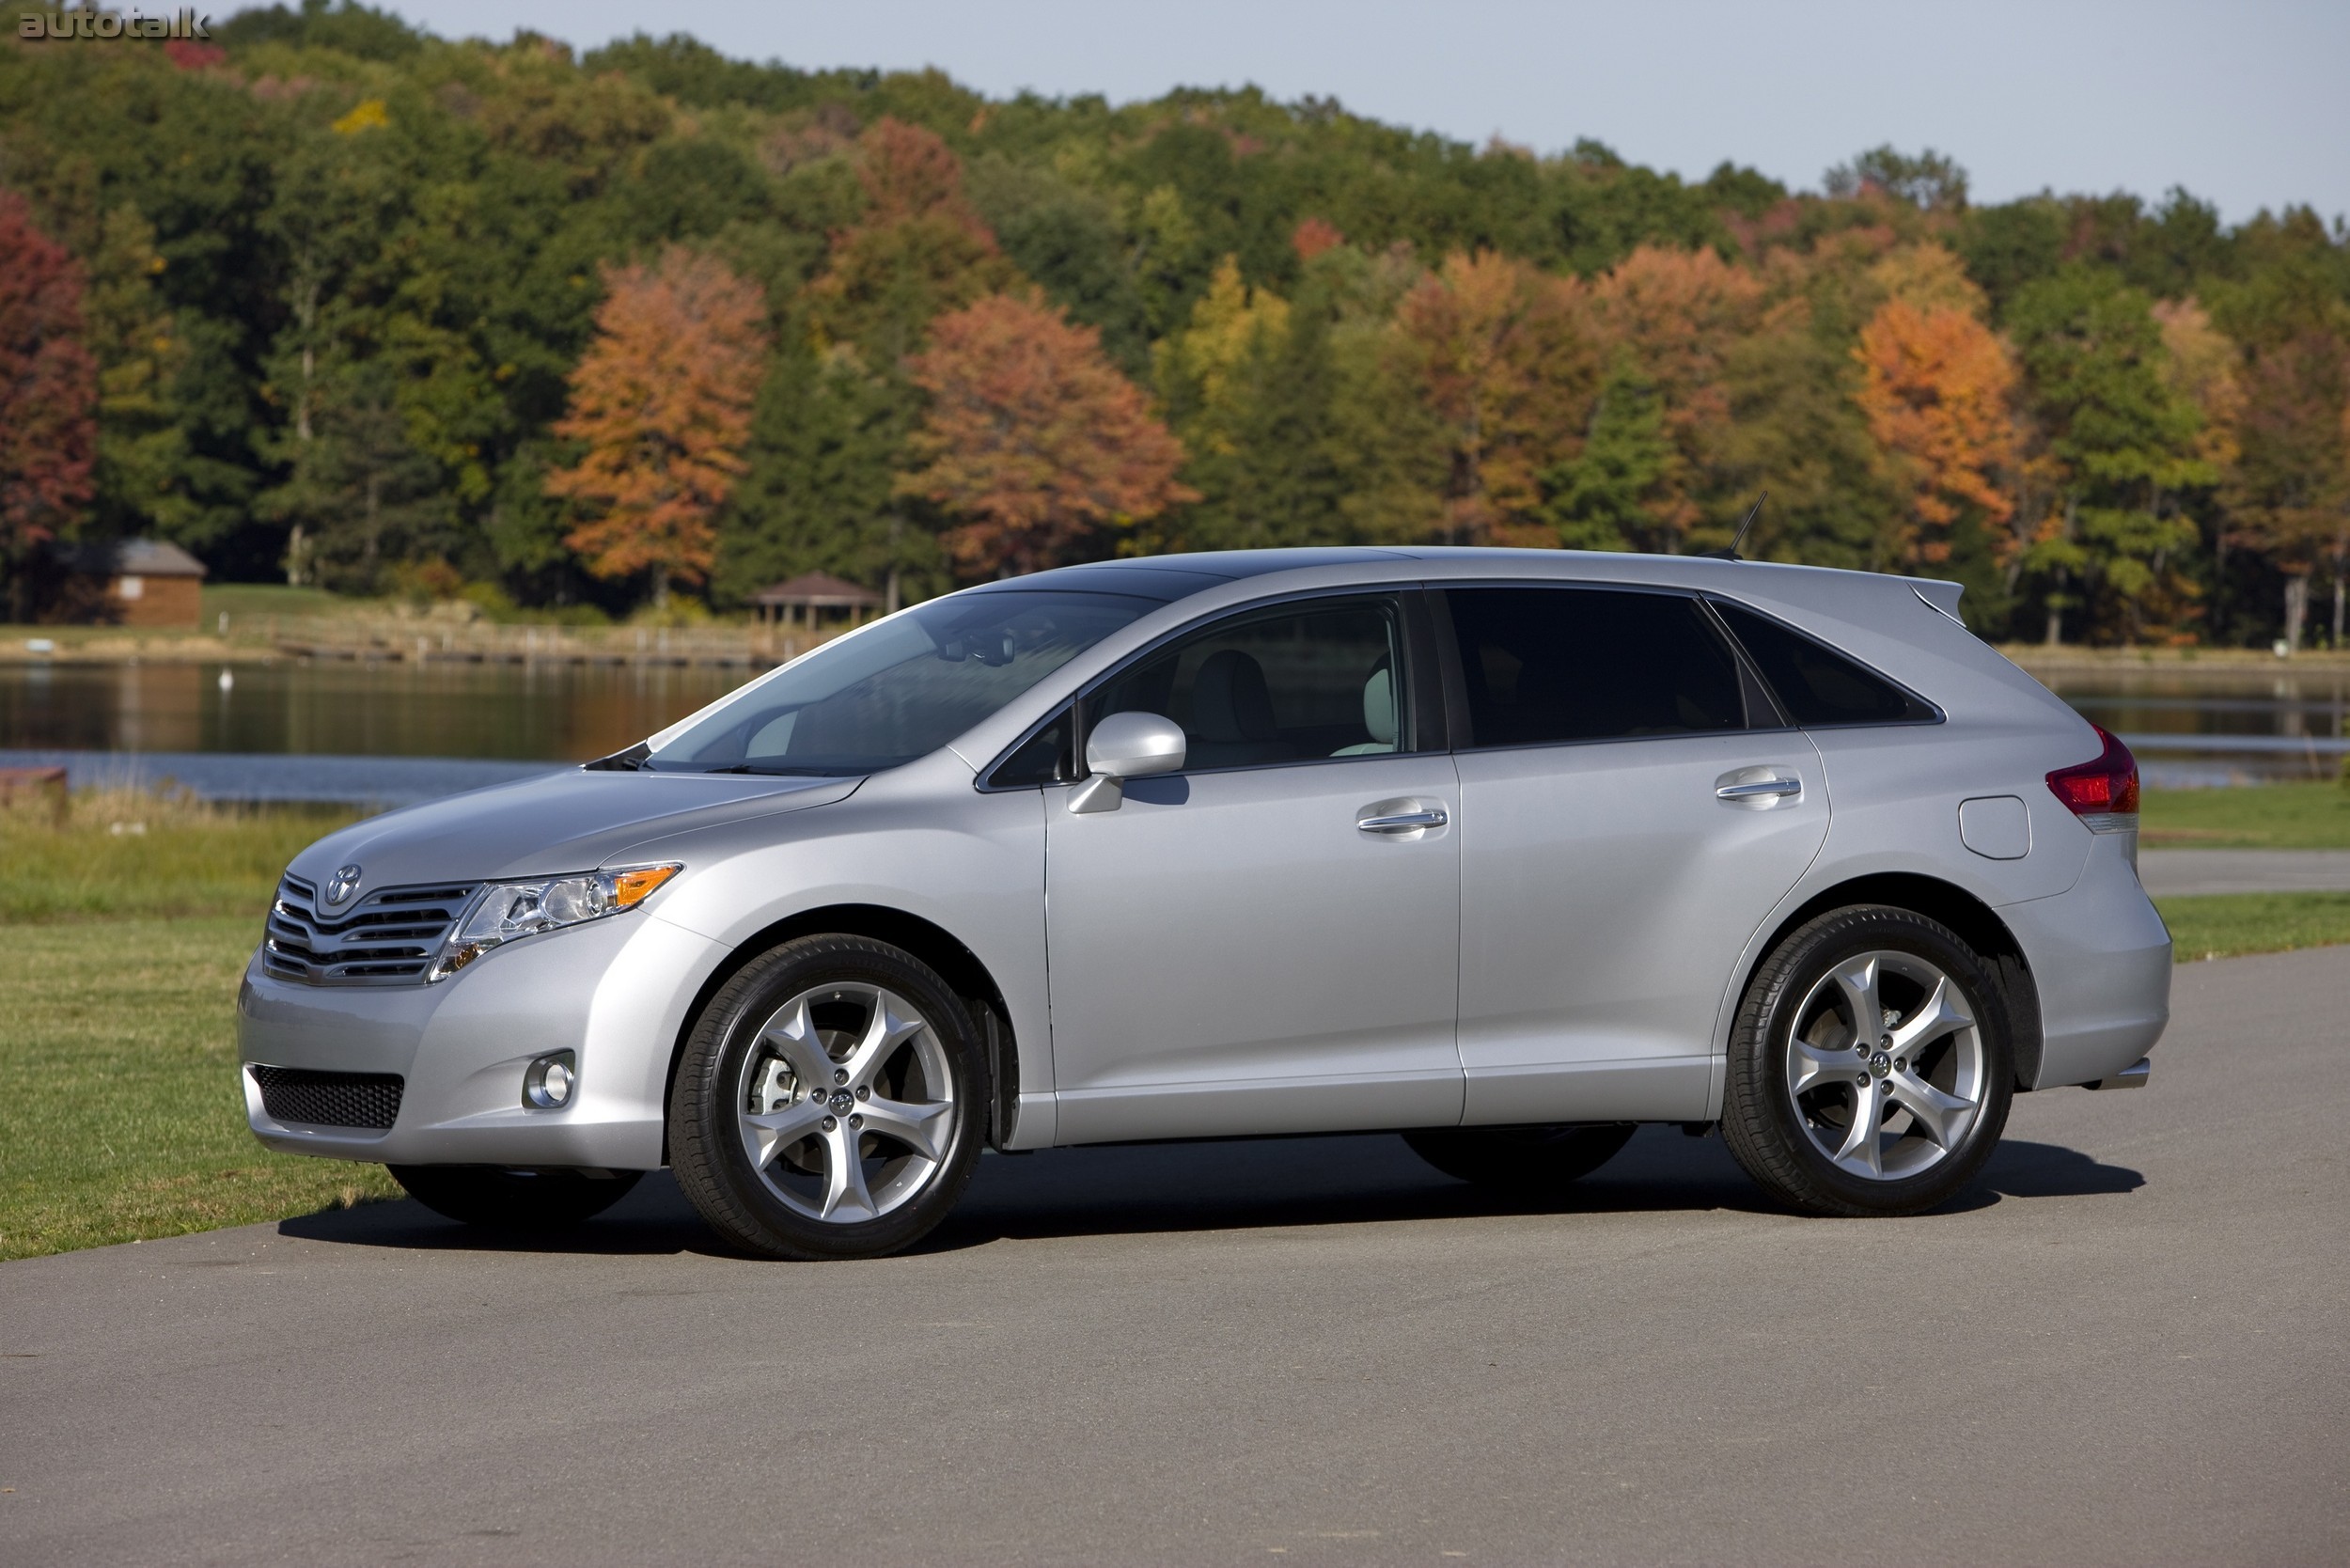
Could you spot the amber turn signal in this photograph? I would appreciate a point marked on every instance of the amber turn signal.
(630, 887)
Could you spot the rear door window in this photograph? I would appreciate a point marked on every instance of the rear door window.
(1545, 664)
(1817, 686)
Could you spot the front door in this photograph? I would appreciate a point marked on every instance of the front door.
(1631, 810)
(1232, 949)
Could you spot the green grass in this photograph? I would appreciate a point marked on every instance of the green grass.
(120, 955)
(2262, 816)
(2224, 925)
(241, 600)
(124, 1117)
(127, 853)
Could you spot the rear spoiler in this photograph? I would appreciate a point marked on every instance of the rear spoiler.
(1938, 595)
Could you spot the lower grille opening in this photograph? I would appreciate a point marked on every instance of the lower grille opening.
(369, 1100)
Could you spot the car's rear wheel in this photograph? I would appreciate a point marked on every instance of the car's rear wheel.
(523, 1200)
(829, 1102)
(1870, 1068)
(1534, 1162)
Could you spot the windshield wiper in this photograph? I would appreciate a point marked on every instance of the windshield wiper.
(620, 761)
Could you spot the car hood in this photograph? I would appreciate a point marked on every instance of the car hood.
(571, 820)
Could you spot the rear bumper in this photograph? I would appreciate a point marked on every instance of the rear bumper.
(2136, 1075)
(2101, 958)
(614, 992)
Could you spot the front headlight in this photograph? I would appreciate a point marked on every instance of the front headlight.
(508, 911)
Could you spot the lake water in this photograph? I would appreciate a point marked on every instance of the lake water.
(2219, 724)
(308, 731)
(554, 713)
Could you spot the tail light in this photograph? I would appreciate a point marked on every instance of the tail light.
(2102, 794)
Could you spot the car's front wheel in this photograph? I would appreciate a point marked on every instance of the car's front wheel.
(523, 1200)
(829, 1102)
(1870, 1068)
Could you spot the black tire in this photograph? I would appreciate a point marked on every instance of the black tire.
(1527, 1162)
(707, 1147)
(519, 1200)
(1778, 1134)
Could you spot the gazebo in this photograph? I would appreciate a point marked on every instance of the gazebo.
(799, 600)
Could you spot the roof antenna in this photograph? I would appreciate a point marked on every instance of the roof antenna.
(1740, 537)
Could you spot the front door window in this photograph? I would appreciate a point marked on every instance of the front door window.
(1295, 685)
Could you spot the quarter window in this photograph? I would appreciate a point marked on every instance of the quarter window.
(1290, 686)
(1545, 664)
(1816, 684)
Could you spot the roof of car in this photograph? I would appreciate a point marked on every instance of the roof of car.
(1168, 578)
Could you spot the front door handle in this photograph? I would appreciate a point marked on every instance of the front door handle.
(1758, 788)
(1404, 822)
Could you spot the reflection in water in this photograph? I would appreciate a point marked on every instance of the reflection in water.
(564, 711)
(2222, 725)
(2282, 723)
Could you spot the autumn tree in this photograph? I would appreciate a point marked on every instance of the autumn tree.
(1677, 316)
(920, 248)
(48, 387)
(1935, 385)
(661, 403)
(1509, 367)
(2203, 367)
(1248, 386)
(1032, 438)
(2291, 487)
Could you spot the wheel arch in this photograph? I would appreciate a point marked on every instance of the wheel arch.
(1977, 924)
(956, 963)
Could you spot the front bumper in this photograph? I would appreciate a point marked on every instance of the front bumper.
(616, 991)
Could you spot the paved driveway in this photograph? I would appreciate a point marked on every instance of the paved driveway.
(2131, 1344)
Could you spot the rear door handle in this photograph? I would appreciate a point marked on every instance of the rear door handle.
(1758, 788)
(1404, 822)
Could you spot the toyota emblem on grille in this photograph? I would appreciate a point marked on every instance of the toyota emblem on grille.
(344, 882)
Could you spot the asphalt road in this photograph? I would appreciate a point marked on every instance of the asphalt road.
(2131, 1344)
(2170, 873)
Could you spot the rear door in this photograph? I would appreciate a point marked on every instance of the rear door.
(1632, 807)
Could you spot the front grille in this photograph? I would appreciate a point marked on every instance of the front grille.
(329, 1099)
(387, 938)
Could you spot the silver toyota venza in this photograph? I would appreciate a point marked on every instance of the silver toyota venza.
(1506, 851)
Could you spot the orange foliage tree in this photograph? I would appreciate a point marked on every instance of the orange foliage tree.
(921, 247)
(1032, 436)
(662, 401)
(1678, 316)
(1937, 387)
(1510, 367)
(48, 389)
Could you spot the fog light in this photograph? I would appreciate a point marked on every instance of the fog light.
(547, 1085)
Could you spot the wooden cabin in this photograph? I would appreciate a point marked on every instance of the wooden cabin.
(137, 582)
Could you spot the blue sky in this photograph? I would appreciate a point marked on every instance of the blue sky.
(2246, 105)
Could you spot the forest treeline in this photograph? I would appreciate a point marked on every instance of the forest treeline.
(330, 300)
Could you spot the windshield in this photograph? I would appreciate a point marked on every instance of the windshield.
(900, 689)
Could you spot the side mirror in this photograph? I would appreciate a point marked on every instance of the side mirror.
(1123, 747)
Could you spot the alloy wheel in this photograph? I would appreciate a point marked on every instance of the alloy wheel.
(846, 1106)
(1885, 1066)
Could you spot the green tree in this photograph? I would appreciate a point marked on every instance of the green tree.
(1602, 499)
(2124, 446)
